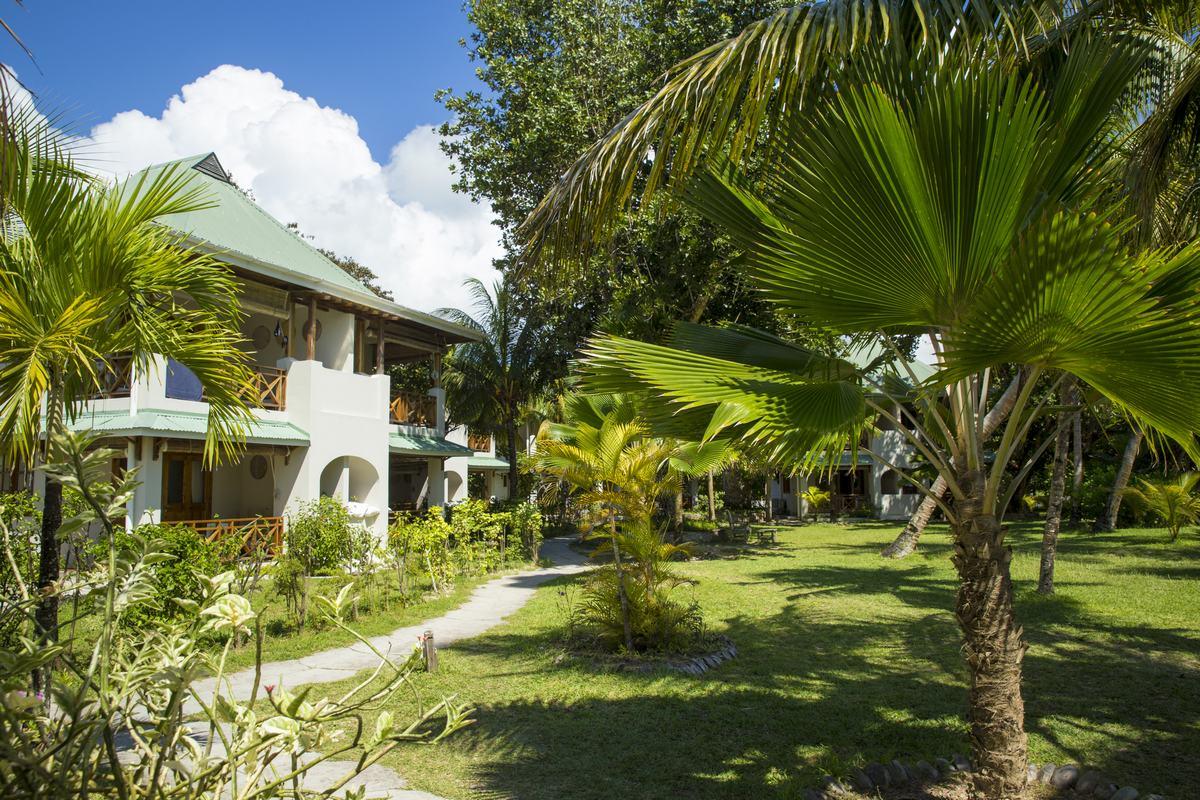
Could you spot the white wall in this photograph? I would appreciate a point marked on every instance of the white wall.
(345, 416)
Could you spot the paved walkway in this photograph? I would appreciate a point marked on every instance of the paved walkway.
(487, 607)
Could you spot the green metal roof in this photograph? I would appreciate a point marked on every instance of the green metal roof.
(486, 462)
(863, 355)
(182, 425)
(416, 444)
(236, 226)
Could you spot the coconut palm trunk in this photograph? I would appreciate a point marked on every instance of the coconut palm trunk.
(712, 499)
(510, 430)
(1076, 464)
(993, 648)
(1107, 521)
(1054, 504)
(46, 615)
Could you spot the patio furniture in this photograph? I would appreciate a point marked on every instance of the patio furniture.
(765, 533)
(734, 531)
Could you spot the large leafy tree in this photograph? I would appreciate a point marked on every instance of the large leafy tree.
(86, 274)
(559, 74)
(966, 200)
(490, 383)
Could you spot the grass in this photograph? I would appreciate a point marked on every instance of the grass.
(843, 659)
(281, 639)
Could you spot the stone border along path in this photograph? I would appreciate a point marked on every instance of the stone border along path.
(487, 607)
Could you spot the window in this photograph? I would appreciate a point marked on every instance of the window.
(888, 482)
(175, 481)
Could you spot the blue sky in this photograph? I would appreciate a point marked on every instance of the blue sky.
(323, 111)
(380, 62)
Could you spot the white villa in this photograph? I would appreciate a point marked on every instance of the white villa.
(327, 422)
(860, 486)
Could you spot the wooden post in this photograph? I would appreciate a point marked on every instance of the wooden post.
(437, 369)
(379, 354)
(310, 331)
(430, 652)
(360, 342)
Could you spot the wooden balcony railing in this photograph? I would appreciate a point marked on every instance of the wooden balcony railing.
(115, 378)
(849, 503)
(414, 409)
(268, 389)
(254, 532)
(479, 442)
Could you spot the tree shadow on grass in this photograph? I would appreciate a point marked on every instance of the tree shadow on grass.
(810, 694)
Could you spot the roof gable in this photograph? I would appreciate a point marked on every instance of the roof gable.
(235, 224)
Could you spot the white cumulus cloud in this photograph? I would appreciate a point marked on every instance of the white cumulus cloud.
(306, 163)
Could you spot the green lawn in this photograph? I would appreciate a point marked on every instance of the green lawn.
(282, 641)
(844, 659)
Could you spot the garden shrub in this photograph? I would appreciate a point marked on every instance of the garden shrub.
(422, 541)
(319, 535)
(22, 521)
(526, 523)
(61, 741)
(659, 621)
(181, 577)
(484, 532)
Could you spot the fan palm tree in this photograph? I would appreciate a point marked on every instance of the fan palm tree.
(490, 383)
(86, 273)
(1175, 503)
(964, 201)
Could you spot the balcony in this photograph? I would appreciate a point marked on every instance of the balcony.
(256, 534)
(267, 388)
(114, 379)
(409, 408)
(479, 442)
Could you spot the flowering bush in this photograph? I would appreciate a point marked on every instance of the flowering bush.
(111, 721)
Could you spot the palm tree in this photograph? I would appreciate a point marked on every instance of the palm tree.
(490, 383)
(905, 544)
(603, 452)
(722, 96)
(965, 201)
(1175, 503)
(86, 273)
(1107, 521)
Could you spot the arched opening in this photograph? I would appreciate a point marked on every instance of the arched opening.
(348, 478)
(454, 485)
(889, 482)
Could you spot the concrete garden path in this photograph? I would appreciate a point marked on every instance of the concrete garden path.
(487, 607)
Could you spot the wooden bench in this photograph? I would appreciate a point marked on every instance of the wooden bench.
(765, 533)
(735, 532)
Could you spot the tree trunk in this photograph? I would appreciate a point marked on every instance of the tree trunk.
(46, 614)
(767, 493)
(1076, 460)
(712, 499)
(1054, 503)
(510, 430)
(1107, 521)
(677, 515)
(622, 595)
(993, 647)
(906, 543)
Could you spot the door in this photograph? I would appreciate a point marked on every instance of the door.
(186, 488)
